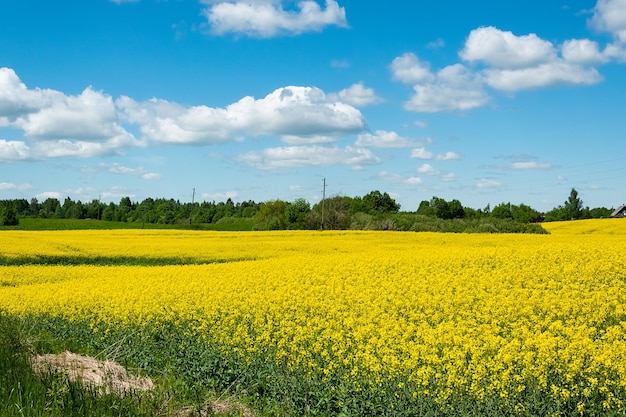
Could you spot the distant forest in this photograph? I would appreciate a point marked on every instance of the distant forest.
(373, 211)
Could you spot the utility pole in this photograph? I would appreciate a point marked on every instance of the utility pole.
(98, 216)
(323, 200)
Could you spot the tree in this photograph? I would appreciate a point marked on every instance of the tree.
(502, 211)
(455, 209)
(425, 209)
(296, 213)
(8, 215)
(524, 213)
(573, 205)
(49, 207)
(271, 216)
(440, 208)
(379, 203)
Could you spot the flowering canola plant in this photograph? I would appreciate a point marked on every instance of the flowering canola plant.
(443, 316)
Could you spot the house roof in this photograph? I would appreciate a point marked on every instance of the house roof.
(618, 210)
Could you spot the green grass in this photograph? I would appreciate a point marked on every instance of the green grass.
(24, 393)
(28, 223)
(191, 371)
(28, 394)
(109, 260)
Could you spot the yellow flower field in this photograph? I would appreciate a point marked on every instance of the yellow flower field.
(479, 316)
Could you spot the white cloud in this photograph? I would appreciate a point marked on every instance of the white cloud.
(421, 124)
(421, 153)
(505, 62)
(288, 111)
(455, 88)
(358, 95)
(448, 156)
(298, 156)
(63, 147)
(544, 75)
(410, 70)
(139, 172)
(383, 139)
(427, 169)
(12, 150)
(50, 114)
(436, 44)
(116, 192)
(48, 194)
(83, 125)
(151, 176)
(502, 49)
(307, 140)
(88, 116)
(610, 16)
(399, 179)
(17, 100)
(93, 124)
(484, 183)
(582, 51)
(220, 196)
(340, 63)
(530, 165)
(524, 62)
(616, 51)
(9, 186)
(450, 176)
(268, 18)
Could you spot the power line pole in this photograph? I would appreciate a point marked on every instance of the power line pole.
(323, 200)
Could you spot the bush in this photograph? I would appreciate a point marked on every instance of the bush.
(8, 216)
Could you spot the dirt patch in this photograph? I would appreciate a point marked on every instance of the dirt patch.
(108, 376)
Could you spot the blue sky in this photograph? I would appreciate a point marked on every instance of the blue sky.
(486, 102)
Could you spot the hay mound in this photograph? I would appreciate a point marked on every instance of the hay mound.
(108, 376)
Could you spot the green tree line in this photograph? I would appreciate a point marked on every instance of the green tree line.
(374, 210)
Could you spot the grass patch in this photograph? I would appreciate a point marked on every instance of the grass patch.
(109, 260)
(24, 393)
(52, 393)
(225, 224)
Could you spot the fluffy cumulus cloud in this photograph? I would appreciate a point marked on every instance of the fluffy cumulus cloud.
(58, 124)
(508, 62)
(427, 169)
(408, 69)
(514, 63)
(289, 111)
(582, 51)
(452, 88)
(297, 156)
(448, 156)
(421, 153)
(502, 49)
(9, 186)
(610, 16)
(92, 123)
(399, 179)
(358, 95)
(486, 183)
(269, 18)
(124, 170)
(13, 150)
(383, 139)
